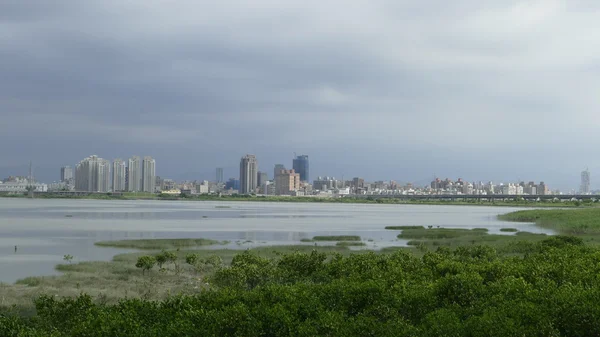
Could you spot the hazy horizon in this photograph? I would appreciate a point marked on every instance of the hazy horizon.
(387, 90)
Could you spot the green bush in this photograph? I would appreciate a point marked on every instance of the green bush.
(552, 290)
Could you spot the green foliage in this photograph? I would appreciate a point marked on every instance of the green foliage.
(567, 221)
(145, 262)
(337, 238)
(471, 291)
(68, 258)
(509, 230)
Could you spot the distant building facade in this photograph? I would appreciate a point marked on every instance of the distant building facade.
(66, 174)
(134, 174)
(148, 175)
(300, 165)
(286, 182)
(22, 187)
(248, 174)
(219, 175)
(585, 182)
(263, 177)
(325, 183)
(278, 168)
(92, 174)
(232, 184)
(118, 175)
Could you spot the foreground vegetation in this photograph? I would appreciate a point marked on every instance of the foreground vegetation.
(447, 284)
(469, 291)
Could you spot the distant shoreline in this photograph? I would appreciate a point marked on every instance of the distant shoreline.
(319, 200)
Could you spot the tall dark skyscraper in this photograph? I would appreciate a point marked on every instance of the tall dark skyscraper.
(301, 167)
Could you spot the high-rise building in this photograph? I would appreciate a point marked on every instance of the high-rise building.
(585, 182)
(148, 175)
(263, 177)
(286, 182)
(248, 174)
(542, 189)
(358, 184)
(66, 174)
(118, 175)
(219, 175)
(300, 165)
(278, 168)
(134, 174)
(92, 174)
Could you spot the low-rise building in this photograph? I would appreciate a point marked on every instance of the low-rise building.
(22, 187)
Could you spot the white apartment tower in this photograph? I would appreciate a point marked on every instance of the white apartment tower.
(148, 175)
(134, 174)
(585, 182)
(118, 175)
(92, 174)
(248, 174)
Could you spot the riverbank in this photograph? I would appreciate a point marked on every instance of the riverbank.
(322, 200)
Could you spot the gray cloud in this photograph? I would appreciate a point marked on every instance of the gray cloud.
(385, 90)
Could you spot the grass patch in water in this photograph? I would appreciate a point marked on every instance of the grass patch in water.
(404, 227)
(158, 243)
(337, 238)
(513, 230)
(438, 233)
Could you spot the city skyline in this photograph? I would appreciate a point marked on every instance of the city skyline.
(219, 170)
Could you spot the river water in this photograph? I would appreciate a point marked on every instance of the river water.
(44, 230)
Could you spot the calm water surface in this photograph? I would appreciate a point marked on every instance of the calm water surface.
(45, 230)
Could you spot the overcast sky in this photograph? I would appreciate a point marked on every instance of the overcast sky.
(405, 90)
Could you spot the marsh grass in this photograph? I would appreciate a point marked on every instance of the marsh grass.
(509, 230)
(581, 221)
(431, 239)
(158, 243)
(111, 281)
(439, 233)
(337, 238)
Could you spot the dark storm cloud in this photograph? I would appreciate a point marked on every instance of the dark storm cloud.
(386, 90)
